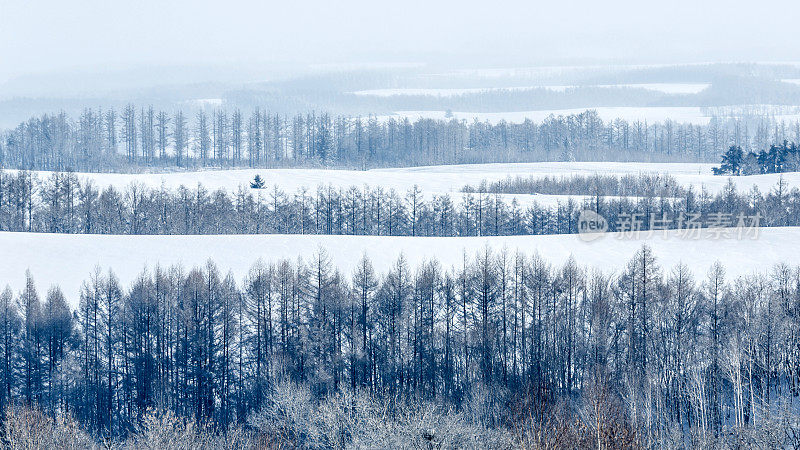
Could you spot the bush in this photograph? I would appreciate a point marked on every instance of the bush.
(347, 420)
(161, 429)
(28, 428)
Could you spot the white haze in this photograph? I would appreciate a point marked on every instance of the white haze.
(95, 36)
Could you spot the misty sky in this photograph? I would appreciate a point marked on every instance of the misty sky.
(42, 36)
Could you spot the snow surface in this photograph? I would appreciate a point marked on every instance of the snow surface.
(559, 71)
(665, 88)
(552, 71)
(68, 260)
(451, 92)
(434, 179)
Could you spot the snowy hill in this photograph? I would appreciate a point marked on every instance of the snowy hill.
(432, 179)
(67, 260)
(446, 178)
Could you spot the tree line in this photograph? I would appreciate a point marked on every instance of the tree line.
(677, 358)
(133, 138)
(62, 203)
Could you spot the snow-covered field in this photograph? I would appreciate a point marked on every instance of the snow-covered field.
(664, 88)
(667, 88)
(451, 92)
(434, 179)
(67, 260)
(557, 71)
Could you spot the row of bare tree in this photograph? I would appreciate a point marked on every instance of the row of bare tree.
(136, 137)
(676, 355)
(61, 203)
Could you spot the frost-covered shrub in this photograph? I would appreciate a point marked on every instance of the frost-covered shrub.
(164, 430)
(161, 429)
(426, 425)
(346, 420)
(293, 415)
(29, 428)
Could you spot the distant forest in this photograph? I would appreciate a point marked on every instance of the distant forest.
(503, 351)
(139, 138)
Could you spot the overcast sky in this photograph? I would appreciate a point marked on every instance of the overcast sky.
(97, 35)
